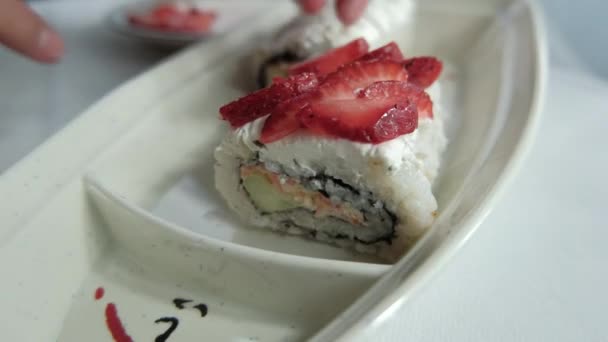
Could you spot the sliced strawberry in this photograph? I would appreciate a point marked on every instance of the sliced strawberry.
(381, 112)
(263, 101)
(284, 119)
(300, 83)
(165, 12)
(198, 21)
(168, 17)
(424, 105)
(333, 59)
(388, 52)
(423, 71)
(413, 93)
(353, 77)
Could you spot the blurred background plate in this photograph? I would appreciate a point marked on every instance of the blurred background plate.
(229, 15)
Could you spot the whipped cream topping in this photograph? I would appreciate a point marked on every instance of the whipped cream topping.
(304, 152)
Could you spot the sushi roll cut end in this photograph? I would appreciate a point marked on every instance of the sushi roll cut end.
(344, 150)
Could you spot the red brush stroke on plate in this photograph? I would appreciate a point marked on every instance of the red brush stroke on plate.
(99, 293)
(115, 325)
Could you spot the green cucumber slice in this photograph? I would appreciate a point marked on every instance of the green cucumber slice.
(265, 196)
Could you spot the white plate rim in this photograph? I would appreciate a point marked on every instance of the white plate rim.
(382, 299)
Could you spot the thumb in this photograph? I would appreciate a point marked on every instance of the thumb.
(311, 6)
(350, 11)
(25, 32)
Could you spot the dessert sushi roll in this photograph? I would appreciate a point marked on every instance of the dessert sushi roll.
(307, 36)
(342, 151)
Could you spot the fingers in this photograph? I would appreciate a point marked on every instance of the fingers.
(350, 10)
(311, 6)
(25, 32)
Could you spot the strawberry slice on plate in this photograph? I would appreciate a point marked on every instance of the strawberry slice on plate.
(423, 71)
(424, 104)
(341, 86)
(173, 18)
(380, 112)
(285, 119)
(333, 59)
(388, 52)
(353, 77)
(414, 94)
(264, 101)
(165, 12)
(198, 21)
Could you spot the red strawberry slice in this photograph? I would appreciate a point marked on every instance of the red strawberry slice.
(340, 85)
(198, 21)
(263, 101)
(424, 104)
(381, 112)
(168, 17)
(388, 52)
(415, 94)
(165, 12)
(333, 59)
(423, 71)
(351, 78)
(284, 119)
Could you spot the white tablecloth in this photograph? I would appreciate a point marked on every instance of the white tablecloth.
(537, 269)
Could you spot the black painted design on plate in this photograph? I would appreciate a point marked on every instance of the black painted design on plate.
(202, 308)
(179, 302)
(164, 336)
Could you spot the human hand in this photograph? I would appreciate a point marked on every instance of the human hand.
(25, 32)
(348, 10)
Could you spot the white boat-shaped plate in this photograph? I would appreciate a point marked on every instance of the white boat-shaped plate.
(113, 228)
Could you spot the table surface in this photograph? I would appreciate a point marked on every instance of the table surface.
(536, 270)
